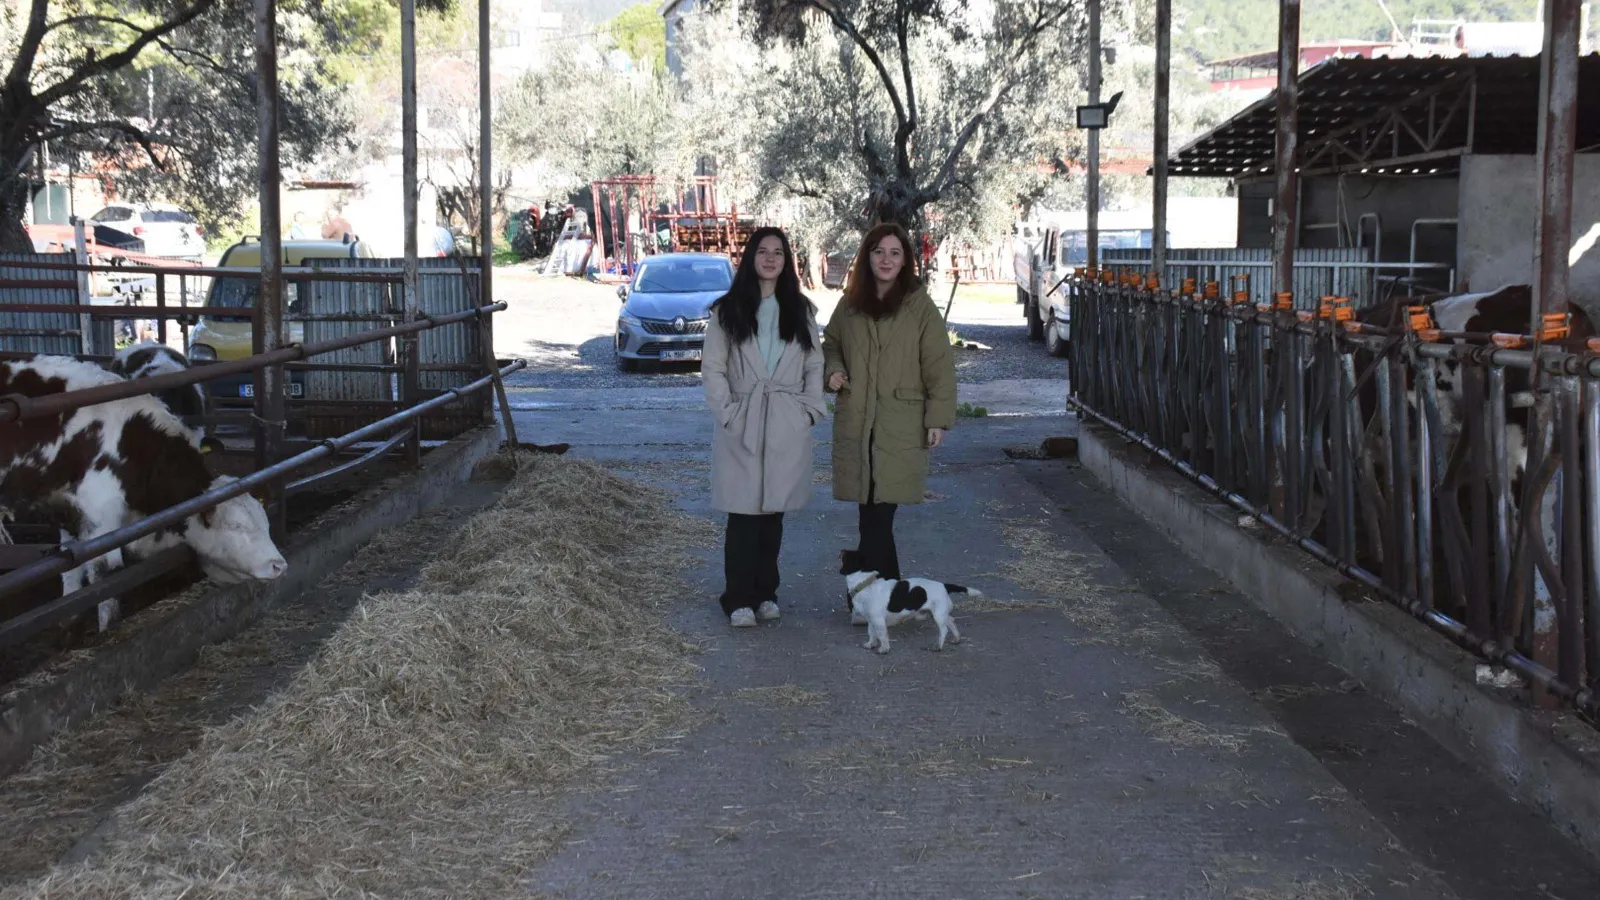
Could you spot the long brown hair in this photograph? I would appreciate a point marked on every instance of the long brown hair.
(861, 293)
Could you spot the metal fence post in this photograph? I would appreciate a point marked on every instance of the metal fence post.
(268, 330)
(1285, 214)
(411, 383)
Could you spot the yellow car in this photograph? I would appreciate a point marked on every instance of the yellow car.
(222, 337)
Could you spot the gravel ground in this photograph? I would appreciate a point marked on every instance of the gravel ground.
(563, 327)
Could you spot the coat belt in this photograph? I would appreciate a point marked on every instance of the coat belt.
(755, 405)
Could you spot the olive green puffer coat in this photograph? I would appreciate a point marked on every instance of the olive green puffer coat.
(902, 383)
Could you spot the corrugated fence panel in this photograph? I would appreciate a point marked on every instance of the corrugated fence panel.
(378, 305)
(451, 285)
(1318, 273)
(57, 334)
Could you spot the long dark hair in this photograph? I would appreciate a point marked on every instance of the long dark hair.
(861, 294)
(736, 310)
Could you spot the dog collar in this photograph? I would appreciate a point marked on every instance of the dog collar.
(862, 586)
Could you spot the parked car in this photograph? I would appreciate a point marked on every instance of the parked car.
(218, 336)
(165, 229)
(666, 306)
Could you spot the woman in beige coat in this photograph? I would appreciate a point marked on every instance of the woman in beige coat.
(888, 358)
(763, 379)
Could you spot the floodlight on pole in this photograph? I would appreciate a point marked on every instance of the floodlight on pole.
(1098, 115)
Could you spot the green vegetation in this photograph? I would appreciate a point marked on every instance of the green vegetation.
(642, 34)
(968, 411)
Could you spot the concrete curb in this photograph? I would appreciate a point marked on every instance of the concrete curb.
(1548, 760)
(165, 641)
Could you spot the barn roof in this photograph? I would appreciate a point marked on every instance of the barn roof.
(1395, 116)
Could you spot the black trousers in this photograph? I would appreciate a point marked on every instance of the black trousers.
(877, 540)
(750, 560)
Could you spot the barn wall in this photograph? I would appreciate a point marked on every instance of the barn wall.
(1398, 203)
(1498, 198)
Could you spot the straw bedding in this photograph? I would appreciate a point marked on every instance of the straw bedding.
(422, 752)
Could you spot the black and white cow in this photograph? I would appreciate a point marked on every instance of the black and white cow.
(99, 468)
(1506, 310)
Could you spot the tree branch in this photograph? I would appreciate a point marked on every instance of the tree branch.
(143, 139)
(902, 135)
(28, 51)
(941, 183)
(860, 40)
(69, 21)
(104, 65)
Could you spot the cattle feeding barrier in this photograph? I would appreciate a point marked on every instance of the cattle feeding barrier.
(396, 428)
(1409, 459)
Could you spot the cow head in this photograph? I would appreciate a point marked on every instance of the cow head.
(234, 540)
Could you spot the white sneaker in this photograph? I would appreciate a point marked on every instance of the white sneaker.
(742, 618)
(767, 610)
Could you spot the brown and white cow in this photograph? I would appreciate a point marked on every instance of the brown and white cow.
(96, 469)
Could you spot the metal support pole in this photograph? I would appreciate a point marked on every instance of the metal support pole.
(1285, 215)
(268, 331)
(1091, 187)
(1558, 128)
(1158, 234)
(486, 217)
(410, 381)
(485, 158)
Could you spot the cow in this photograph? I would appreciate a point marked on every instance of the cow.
(96, 469)
(188, 403)
(1469, 318)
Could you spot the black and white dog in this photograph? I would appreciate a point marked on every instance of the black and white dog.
(881, 602)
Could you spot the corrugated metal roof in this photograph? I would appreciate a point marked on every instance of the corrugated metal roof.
(1341, 93)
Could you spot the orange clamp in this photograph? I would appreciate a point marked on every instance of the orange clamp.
(1555, 326)
(1188, 286)
(1418, 319)
(1285, 300)
(1241, 297)
(1213, 290)
(1080, 272)
(1152, 283)
(1336, 309)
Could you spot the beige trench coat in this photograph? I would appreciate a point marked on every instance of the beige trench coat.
(762, 448)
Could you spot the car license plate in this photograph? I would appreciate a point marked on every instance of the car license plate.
(674, 355)
(249, 390)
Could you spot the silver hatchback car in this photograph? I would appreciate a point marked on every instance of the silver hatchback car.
(666, 306)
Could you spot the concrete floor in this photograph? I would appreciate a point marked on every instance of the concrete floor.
(1152, 736)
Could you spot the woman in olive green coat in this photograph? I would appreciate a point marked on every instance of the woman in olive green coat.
(888, 359)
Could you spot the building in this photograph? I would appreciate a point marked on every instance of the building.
(673, 12)
(1258, 72)
(1419, 159)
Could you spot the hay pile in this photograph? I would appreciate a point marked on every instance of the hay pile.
(422, 752)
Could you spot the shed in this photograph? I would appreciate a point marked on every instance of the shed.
(1424, 159)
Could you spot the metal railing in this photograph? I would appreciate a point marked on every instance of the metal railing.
(395, 430)
(1414, 462)
(1364, 282)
